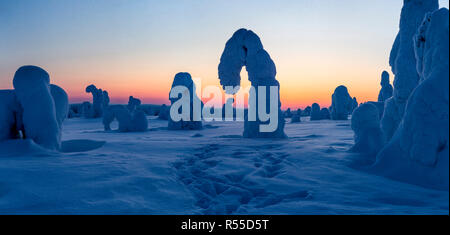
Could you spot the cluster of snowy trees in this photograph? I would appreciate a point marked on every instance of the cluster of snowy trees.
(342, 106)
(406, 129)
(100, 102)
(411, 141)
(296, 117)
(130, 117)
(318, 113)
(34, 110)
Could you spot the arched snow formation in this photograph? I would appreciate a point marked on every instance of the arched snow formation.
(244, 48)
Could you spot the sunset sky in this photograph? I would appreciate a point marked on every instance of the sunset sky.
(135, 47)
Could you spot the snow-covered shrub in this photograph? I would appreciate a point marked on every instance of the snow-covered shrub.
(325, 113)
(403, 62)
(105, 99)
(315, 112)
(307, 111)
(9, 112)
(296, 118)
(75, 110)
(87, 110)
(386, 88)
(419, 150)
(380, 107)
(32, 88)
(244, 48)
(139, 121)
(288, 113)
(355, 104)
(124, 118)
(128, 121)
(185, 80)
(341, 104)
(133, 103)
(61, 103)
(164, 112)
(366, 125)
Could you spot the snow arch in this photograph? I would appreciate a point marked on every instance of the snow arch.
(244, 48)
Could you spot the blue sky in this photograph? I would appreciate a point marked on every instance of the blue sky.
(137, 46)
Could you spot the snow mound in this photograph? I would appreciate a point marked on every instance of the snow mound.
(21, 147)
(73, 146)
(366, 125)
(419, 150)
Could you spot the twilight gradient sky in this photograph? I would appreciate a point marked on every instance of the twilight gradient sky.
(135, 47)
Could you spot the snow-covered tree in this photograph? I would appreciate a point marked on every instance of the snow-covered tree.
(386, 88)
(366, 125)
(9, 111)
(296, 118)
(403, 62)
(39, 116)
(97, 103)
(419, 149)
(341, 105)
(315, 112)
(184, 81)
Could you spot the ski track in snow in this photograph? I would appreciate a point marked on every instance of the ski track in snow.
(236, 188)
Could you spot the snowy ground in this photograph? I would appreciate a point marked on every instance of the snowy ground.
(212, 171)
